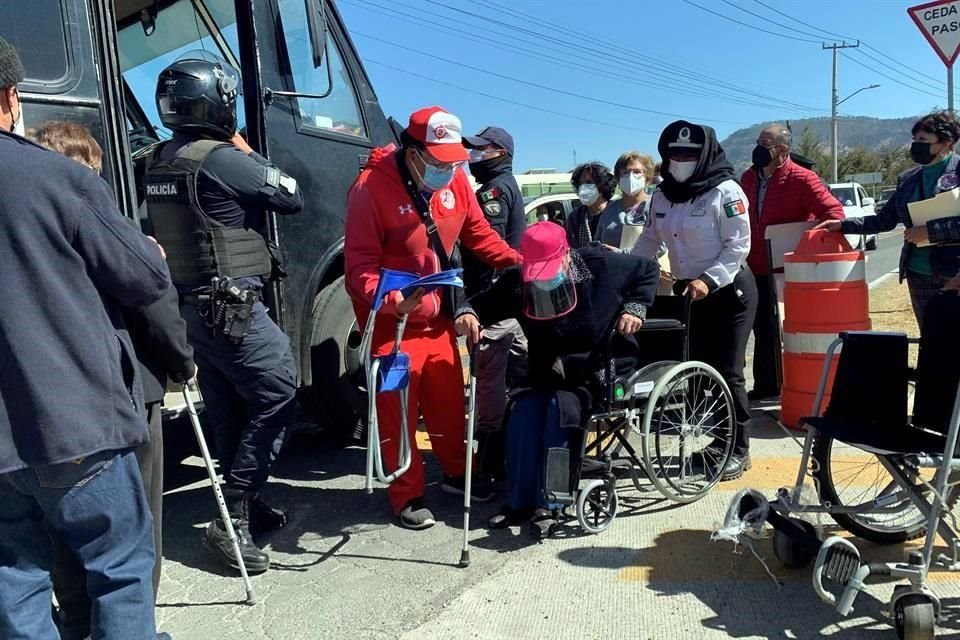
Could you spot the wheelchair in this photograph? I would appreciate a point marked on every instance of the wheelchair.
(656, 416)
(879, 473)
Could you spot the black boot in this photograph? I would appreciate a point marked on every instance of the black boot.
(217, 541)
(264, 518)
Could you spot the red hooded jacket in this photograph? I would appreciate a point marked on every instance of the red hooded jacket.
(794, 194)
(384, 229)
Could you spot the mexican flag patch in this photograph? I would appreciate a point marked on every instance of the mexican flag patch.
(734, 208)
(490, 194)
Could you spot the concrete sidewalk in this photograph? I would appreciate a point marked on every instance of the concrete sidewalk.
(342, 569)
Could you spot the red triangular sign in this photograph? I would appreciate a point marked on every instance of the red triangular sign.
(940, 23)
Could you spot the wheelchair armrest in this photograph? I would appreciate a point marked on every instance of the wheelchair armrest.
(661, 324)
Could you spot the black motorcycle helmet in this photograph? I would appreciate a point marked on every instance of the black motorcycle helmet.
(197, 95)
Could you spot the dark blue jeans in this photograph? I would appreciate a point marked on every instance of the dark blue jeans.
(533, 427)
(97, 507)
(249, 392)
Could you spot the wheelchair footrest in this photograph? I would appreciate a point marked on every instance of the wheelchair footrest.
(841, 564)
(557, 483)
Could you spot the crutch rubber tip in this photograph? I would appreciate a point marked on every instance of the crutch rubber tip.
(251, 599)
(464, 559)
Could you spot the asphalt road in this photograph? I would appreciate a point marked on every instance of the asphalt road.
(885, 259)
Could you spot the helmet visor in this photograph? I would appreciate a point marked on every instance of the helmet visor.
(546, 299)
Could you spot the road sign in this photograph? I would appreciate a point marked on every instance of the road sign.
(865, 178)
(940, 24)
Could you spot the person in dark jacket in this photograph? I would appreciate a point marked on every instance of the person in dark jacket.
(931, 253)
(160, 344)
(71, 400)
(501, 355)
(567, 302)
(595, 185)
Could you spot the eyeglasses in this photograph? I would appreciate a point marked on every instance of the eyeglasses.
(442, 166)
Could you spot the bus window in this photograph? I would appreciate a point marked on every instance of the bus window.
(39, 38)
(186, 25)
(339, 111)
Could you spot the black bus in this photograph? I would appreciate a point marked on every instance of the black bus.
(307, 105)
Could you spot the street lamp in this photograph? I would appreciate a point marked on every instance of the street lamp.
(833, 122)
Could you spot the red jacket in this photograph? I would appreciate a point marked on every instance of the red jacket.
(383, 229)
(794, 194)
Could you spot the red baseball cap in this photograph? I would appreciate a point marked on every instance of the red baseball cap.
(543, 247)
(440, 133)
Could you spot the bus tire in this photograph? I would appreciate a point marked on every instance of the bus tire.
(337, 402)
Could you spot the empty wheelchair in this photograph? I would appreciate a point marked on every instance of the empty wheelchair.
(879, 473)
(654, 415)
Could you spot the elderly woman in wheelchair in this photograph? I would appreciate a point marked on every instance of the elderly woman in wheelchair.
(567, 301)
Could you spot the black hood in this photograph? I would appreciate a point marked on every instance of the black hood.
(712, 168)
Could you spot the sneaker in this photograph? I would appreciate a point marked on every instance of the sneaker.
(736, 467)
(264, 518)
(416, 516)
(481, 488)
(217, 542)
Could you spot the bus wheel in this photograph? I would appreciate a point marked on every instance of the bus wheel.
(337, 400)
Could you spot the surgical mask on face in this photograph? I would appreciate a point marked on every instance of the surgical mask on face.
(588, 194)
(477, 155)
(762, 156)
(552, 283)
(632, 183)
(920, 152)
(433, 178)
(682, 171)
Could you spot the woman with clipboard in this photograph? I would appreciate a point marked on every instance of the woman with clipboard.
(931, 252)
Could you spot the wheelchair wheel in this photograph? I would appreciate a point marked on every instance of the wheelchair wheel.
(688, 431)
(597, 506)
(848, 477)
(914, 617)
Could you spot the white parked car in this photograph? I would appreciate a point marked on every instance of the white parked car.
(550, 206)
(856, 204)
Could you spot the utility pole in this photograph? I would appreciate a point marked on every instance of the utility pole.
(834, 101)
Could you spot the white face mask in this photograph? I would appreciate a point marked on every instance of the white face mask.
(632, 183)
(588, 194)
(477, 155)
(681, 171)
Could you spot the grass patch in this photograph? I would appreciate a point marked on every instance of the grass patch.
(890, 310)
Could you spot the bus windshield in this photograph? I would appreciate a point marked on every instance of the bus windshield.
(183, 26)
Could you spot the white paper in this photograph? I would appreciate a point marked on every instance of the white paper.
(942, 205)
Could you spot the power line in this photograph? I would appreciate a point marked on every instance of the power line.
(648, 83)
(750, 26)
(507, 100)
(774, 22)
(565, 44)
(842, 37)
(541, 86)
(924, 83)
(855, 61)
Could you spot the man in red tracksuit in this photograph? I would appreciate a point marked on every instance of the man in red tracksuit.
(778, 191)
(384, 229)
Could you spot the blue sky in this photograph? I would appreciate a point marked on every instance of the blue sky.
(643, 55)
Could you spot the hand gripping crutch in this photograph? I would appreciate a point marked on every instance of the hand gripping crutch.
(218, 494)
(391, 373)
(471, 451)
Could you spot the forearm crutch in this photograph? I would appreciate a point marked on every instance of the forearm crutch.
(218, 494)
(471, 451)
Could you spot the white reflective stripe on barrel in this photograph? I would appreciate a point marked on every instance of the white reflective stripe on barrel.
(836, 271)
(815, 343)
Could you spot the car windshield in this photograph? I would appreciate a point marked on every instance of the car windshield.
(529, 199)
(844, 194)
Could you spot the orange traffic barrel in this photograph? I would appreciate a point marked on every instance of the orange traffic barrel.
(825, 292)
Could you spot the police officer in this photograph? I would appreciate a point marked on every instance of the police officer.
(206, 193)
(700, 213)
(501, 354)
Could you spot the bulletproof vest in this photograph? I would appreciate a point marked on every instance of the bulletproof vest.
(197, 246)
